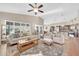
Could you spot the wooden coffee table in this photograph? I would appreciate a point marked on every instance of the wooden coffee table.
(27, 45)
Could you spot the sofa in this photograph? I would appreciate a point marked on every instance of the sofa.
(58, 38)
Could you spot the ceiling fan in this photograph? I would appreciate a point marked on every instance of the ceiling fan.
(36, 8)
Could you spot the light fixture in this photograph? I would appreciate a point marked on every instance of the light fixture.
(35, 9)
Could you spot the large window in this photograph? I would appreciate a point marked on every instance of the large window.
(17, 29)
(9, 28)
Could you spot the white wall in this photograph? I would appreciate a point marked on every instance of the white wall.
(21, 18)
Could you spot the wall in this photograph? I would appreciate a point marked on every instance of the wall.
(21, 18)
(70, 22)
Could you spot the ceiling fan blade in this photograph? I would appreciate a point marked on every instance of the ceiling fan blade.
(31, 5)
(40, 6)
(41, 11)
(30, 10)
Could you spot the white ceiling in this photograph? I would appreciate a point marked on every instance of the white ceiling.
(53, 12)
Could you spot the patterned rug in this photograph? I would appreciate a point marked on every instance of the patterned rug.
(45, 50)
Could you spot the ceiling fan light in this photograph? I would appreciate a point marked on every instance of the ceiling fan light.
(35, 9)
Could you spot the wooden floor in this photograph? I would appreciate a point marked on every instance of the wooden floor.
(71, 47)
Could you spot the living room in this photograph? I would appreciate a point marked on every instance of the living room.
(41, 29)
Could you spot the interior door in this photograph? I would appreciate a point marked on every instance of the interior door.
(39, 30)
